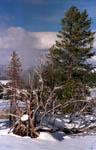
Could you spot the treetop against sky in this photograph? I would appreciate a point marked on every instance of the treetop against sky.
(40, 15)
(30, 26)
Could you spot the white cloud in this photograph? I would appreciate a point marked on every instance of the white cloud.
(94, 44)
(29, 45)
(93, 59)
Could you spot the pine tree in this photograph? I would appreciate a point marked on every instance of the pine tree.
(14, 69)
(70, 54)
(13, 72)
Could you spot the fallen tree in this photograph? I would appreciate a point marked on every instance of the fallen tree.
(38, 104)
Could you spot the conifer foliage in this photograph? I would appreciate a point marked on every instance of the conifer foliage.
(70, 54)
(14, 70)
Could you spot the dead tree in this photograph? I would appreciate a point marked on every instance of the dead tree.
(38, 103)
(26, 118)
(13, 72)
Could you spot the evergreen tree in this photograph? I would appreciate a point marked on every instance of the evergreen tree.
(13, 72)
(14, 69)
(70, 53)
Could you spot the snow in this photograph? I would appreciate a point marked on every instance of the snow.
(46, 141)
(5, 104)
(49, 141)
(92, 92)
(24, 117)
(46, 136)
(4, 82)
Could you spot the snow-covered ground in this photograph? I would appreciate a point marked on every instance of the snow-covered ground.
(46, 141)
(4, 82)
(5, 104)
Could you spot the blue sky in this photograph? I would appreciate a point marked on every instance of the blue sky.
(30, 26)
(41, 15)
